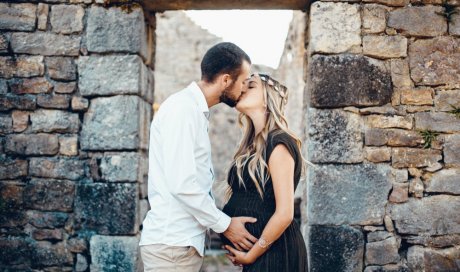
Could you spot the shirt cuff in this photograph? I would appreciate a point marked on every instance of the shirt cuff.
(222, 224)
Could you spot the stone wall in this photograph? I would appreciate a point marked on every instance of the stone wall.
(76, 88)
(381, 75)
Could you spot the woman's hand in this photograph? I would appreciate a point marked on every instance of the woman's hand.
(238, 257)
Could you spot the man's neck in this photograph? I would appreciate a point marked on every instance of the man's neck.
(210, 92)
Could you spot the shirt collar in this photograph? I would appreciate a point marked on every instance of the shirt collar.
(199, 98)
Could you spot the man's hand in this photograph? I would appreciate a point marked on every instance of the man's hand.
(238, 235)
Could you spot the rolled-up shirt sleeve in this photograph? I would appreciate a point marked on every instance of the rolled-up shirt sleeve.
(179, 130)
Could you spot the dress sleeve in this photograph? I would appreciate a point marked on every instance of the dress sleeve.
(285, 139)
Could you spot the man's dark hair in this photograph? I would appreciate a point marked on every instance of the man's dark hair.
(223, 58)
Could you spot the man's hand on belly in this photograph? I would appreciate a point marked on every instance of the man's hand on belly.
(238, 235)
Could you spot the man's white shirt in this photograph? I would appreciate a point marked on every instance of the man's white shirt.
(181, 174)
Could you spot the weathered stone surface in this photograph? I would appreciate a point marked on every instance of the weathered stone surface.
(382, 252)
(48, 234)
(427, 259)
(444, 181)
(378, 236)
(107, 208)
(22, 102)
(82, 263)
(374, 18)
(30, 85)
(18, 16)
(122, 167)
(21, 66)
(48, 254)
(437, 121)
(335, 248)
(64, 87)
(67, 19)
(412, 217)
(391, 3)
(61, 68)
(77, 245)
(400, 75)
(32, 144)
(334, 27)
(46, 44)
(401, 137)
(381, 121)
(54, 121)
(115, 123)
(386, 109)
(414, 157)
(109, 75)
(64, 168)
(20, 120)
(444, 100)
(338, 132)
(11, 169)
(385, 46)
(435, 241)
(400, 193)
(377, 154)
(400, 175)
(421, 21)
(42, 16)
(3, 44)
(56, 101)
(15, 250)
(47, 220)
(6, 124)
(50, 195)
(79, 103)
(452, 150)
(417, 97)
(3, 86)
(435, 61)
(11, 196)
(454, 24)
(113, 29)
(68, 145)
(348, 80)
(109, 252)
(348, 194)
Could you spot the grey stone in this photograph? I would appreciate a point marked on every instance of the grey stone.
(15, 250)
(6, 124)
(335, 248)
(56, 101)
(49, 254)
(444, 181)
(382, 252)
(118, 122)
(114, 253)
(3, 86)
(419, 21)
(116, 30)
(54, 121)
(437, 121)
(428, 259)
(387, 268)
(32, 144)
(46, 44)
(61, 68)
(42, 16)
(12, 168)
(400, 74)
(47, 220)
(452, 150)
(349, 80)
(414, 157)
(123, 167)
(454, 24)
(412, 217)
(18, 16)
(447, 100)
(33, 85)
(65, 168)
(435, 241)
(21, 66)
(348, 194)
(64, 87)
(3, 44)
(439, 50)
(107, 208)
(378, 236)
(374, 18)
(79, 103)
(48, 234)
(12, 195)
(50, 195)
(82, 263)
(384, 47)
(110, 75)
(337, 131)
(67, 19)
(22, 102)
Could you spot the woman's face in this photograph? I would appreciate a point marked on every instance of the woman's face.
(252, 96)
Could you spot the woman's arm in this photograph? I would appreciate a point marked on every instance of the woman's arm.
(281, 166)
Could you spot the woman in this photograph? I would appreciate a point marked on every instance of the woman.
(264, 175)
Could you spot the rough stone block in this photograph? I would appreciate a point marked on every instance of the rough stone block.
(22, 102)
(334, 27)
(417, 97)
(50, 195)
(437, 121)
(335, 248)
(21, 66)
(419, 21)
(56, 101)
(107, 208)
(445, 100)
(48, 220)
(401, 137)
(12, 168)
(444, 181)
(412, 217)
(122, 167)
(400, 193)
(20, 120)
(45, 44)
(384, 47)
(441, 51)
(15, 250)
(67, 19)
(348, 80)
(348, 194)
(18, 16)
(115, 30)
(11, 194)
(34, 85)
(6, 124)
(32, 144)
(109, 253)
(452, 150)
(42, 16)
(48, 234)
(3, 44)
(79, 103)
(64, 168)
(377, 154)
(382, 252)
(61, 68)
(337, 131)
(374, 18)
(54, 121)
(391, 3)
(428, 259)
(115, 123)
(380, 121)
(400, 75)
(49, 254)
(64, 87)
(68, 145)
(414, 157)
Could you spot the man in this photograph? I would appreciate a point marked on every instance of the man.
(180, 168)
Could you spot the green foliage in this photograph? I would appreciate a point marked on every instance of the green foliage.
(455, 111)
(428, 136)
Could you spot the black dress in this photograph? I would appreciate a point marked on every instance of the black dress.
(288, 253)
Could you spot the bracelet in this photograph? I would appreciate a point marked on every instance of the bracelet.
(263, 243)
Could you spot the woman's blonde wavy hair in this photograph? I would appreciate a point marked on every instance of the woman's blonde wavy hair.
(252, 148)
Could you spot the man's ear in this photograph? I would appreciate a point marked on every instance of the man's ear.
(226, 80)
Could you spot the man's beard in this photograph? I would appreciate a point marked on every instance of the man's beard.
(224, 98)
